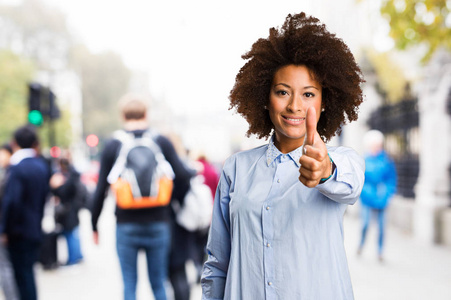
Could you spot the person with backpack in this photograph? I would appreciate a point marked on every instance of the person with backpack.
(146, 174)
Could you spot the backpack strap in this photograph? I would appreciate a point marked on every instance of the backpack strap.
(127, 143)
(164, 167)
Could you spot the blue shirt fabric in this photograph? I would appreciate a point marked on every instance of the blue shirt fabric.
(271, 237)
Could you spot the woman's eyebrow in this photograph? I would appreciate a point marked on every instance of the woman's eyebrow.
(305, 87)
(311, 87)
(284, 84)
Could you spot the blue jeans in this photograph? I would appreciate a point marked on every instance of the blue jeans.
(24, 254)
(367, 213)
(155, 239)
(73, 245)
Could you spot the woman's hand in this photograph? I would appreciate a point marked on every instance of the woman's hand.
(315, 163)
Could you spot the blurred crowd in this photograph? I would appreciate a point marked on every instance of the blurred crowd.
(41, 199)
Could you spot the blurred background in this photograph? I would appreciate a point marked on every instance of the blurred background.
(64, 65)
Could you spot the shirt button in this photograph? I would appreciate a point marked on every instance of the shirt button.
(278, 180)
(268, 245)
(267, 207)
(269, 283)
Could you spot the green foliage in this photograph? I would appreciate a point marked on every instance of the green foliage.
(57, 132)
(391, 79)
(105, 78)
(414, 22)
(15, 73)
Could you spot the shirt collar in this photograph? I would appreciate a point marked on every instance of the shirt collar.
(21, 154)
(272, 153)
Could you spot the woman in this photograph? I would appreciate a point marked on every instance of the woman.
(71, 194)
(277, 228)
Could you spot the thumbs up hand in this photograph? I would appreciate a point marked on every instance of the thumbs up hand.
(315, 163)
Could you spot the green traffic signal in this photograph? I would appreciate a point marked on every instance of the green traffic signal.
(35, 117)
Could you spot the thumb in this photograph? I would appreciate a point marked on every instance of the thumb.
(310, 126)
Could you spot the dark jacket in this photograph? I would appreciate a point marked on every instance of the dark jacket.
(156, 214)
(72, 198)
(25, 193)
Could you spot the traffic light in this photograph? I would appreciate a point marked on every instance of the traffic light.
(54, 112)
(35, 117)
(41, 99)
(34, 96)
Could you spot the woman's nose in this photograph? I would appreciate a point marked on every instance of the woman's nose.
(295, 104)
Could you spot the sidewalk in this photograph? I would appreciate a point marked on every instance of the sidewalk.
(410, 270)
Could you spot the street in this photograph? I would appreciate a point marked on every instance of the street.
(410, 270)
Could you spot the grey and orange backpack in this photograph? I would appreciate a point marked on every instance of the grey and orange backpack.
(141, 177)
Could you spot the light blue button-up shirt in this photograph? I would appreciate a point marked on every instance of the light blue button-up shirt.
(271, 237)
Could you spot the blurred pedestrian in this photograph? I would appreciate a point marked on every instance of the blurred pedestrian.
(183, 240)
(210, 174)
(7, 280)
(211, 179)
(134, 154)
(379, 187)
(277, 229)
(23, 202)
(71, 197)
(5, 156)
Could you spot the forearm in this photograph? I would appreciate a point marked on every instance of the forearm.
(346, 183)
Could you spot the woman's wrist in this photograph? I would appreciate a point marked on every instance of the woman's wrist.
(332, 170)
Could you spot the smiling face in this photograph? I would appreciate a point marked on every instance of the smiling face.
(293, 91)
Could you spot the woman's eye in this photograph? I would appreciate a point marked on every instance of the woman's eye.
(282, 93)
(309, 95)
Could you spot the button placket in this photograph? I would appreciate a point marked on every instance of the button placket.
(268, 228)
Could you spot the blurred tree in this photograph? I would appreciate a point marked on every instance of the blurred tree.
(39, 32)
(61, 130)
(36, 31)
(414, 22)
(105, 78)
(15, 73)
(391, 81)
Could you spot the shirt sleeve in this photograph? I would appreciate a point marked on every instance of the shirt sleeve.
(347, 181)
(107, 160)
(218, 246)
